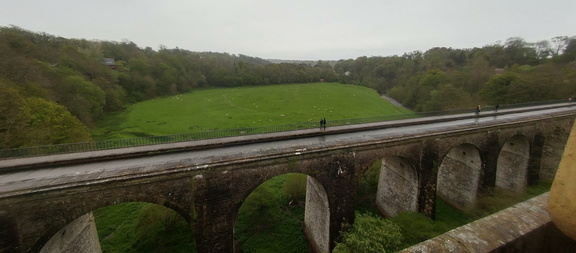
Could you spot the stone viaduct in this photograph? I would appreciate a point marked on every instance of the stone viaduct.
(451, 158)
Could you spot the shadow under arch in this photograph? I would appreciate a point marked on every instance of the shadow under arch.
(269, 216)
(459, 176)
(397, 186)
(123, 227)
(512, 164)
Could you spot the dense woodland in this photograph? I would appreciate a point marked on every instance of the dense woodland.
(53, 89)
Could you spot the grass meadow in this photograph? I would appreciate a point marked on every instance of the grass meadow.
(212, 109)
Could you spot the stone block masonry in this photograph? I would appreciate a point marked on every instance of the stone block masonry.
(80, 236)
(525, 227)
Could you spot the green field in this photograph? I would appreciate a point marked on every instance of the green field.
(212, 109)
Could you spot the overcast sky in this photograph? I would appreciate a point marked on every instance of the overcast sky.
(297, 29)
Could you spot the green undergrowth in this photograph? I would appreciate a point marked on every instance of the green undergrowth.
(142, 227)
(271, 218)
(416, 227)
(493, 200)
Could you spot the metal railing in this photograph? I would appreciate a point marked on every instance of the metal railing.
(142, 141)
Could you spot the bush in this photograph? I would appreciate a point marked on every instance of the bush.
(370, 233)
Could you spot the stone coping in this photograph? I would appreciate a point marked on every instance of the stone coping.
(523, 227)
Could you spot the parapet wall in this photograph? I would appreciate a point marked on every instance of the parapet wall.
(525, 227)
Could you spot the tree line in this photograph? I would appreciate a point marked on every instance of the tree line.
(69, 78)
(444, 78)
(53, 89)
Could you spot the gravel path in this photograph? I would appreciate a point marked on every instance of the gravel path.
(394, 101)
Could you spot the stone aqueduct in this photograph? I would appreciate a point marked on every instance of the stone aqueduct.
(451, 163)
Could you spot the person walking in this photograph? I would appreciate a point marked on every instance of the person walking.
(478, 109)
(324, 123)
(496, 107)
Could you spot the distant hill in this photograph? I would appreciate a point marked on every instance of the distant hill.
(307, 62)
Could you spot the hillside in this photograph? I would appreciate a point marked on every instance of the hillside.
(57, 88)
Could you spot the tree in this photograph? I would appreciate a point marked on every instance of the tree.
(18, 40)
(115, 95)
(434, 78)
(12, 120)
(476, 75)
(542, 82)
(517, 51)
(82, 98)
(439, 58)
(324, 65)
(50, 123)
(559, 44)
(16, 63)
(35, 121)
(496, 89)
(370, 234)
(459, 99)
(569, 53)
(543, 49)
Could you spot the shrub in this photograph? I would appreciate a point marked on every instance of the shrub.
(370, 233)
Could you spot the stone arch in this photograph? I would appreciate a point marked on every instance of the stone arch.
(398, 186)
(80, 235)
(316, 211)
(512, 164)
(85, 201)
(459, 176)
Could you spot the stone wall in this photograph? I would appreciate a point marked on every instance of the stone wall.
(525, 227)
